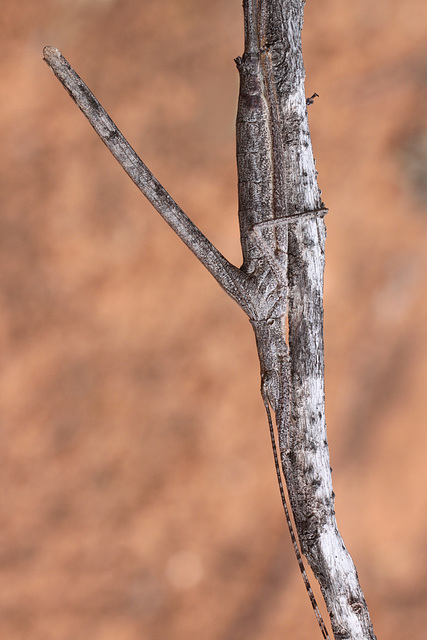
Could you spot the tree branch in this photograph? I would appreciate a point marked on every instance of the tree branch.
(231, 278)
(280, 284)
(302, 438)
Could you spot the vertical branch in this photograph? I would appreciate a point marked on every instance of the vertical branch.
(304, 449)
(264, 226)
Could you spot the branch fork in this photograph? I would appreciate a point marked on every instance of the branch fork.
(279, 285)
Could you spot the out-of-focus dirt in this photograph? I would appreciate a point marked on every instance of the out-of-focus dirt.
(138, 496)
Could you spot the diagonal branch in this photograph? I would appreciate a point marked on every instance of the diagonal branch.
(231, 278)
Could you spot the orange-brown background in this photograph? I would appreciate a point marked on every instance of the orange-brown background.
(137, 494)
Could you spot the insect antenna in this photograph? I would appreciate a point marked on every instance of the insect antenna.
(307, 584)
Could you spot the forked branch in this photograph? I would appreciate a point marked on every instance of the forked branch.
(231, 279)
(280, 284)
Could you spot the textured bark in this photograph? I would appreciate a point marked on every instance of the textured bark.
(303, 443)
(231, 279)
(292, 232)
(280, 284)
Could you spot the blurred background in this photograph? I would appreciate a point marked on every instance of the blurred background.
(138, 494)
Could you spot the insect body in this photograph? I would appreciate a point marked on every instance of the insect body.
(264, 220)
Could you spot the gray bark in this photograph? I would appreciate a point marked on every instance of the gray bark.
(280, 284)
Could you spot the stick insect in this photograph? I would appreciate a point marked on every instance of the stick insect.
(279, 285)
(264, 217)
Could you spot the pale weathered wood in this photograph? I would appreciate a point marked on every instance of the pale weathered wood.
(302, 438)
(231, 279)
(280, 284)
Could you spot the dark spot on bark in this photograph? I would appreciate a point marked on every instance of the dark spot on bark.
(93, 102)
(158, 189)
(292, 457)
(312, 445)
(356, 604)
(251, 101)
(357, 607)
(113, 135)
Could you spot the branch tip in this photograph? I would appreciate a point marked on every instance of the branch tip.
(49, 53)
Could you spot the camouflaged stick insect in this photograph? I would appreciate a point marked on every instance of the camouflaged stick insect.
(263, 232)
(280, 283)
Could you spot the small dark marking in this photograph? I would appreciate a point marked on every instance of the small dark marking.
(310, 100)
(90, 97)
(357, 607)
(113, 135)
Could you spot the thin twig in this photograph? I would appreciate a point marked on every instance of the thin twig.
(231, 279)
